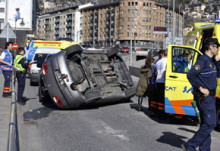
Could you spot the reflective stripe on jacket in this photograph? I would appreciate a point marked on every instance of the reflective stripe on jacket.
(8, 58)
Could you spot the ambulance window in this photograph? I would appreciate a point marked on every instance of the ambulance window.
(182, 59)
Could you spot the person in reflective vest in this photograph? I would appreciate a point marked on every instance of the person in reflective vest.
(21, 64)
(6, 60)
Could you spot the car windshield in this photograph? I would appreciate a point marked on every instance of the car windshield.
(40, 57)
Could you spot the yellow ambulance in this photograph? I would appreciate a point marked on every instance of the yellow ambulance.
(178, 90)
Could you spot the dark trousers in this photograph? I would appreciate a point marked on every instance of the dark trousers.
(7, 77)
(160, 98)
(202, 137)
(21, 77)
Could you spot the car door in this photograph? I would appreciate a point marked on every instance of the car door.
(178, 90)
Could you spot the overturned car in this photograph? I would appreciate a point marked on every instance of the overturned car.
(76, 76)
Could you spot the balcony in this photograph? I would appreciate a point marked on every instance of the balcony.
(68, 25)
(69, 32)
(56, 33)
(57, 20)
(69, 18)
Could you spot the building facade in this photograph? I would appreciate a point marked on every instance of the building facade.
(2, 13)
(65, 22)
(129, 19)
(103, 24)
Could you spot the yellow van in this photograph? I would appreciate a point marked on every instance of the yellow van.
(178, 90)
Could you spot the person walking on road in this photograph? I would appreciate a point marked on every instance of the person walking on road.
(160, 82)
(144, 85)
(153, 98)
(203, 77)
(21, 64)
(6, 60)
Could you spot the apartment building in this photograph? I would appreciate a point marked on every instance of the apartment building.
(123, 20)
(2, 13)
(101, 25)
(61, 22)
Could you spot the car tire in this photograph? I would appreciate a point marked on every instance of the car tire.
(112, 51)
(41, 96)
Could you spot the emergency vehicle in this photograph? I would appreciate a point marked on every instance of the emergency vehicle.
(178, 90)
(37, 51)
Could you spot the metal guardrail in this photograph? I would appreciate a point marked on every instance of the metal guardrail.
(13, 144)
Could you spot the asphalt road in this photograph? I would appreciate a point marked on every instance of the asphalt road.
(99, 127)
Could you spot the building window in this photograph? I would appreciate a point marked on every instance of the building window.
(128, 11)
(129, 4)
(132, 3)
(128, 27)
(128, 18)
(143, 11)
(2, 10)
(135, 11)
(146, 35)
(143, 19)
(135, 34)
(136, 3)
(144, 4)
(1, 20)
(135, 27)
(143, 35)
(143, 27)
(147, 27)
(128, 34)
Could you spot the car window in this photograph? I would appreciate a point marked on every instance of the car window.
(40, 57)
(182, 59)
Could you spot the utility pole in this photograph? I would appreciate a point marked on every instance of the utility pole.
(168, 20)
(93, 35)
(173, 22)
(131, 42)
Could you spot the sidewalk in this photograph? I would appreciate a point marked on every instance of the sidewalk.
(5, 109)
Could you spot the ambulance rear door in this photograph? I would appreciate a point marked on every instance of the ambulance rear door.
(178, 90)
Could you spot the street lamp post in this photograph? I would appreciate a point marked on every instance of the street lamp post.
(131, 42)
(173, 22)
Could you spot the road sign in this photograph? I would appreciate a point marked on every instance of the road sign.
(7, 32)
(160, 30)
(15, 46)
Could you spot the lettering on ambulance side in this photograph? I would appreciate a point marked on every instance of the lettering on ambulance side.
(188, 90)
(167, 88)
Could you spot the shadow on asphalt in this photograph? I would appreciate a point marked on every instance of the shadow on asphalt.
(172, 139)
(165, 120)
(95, 105)
(187, 130)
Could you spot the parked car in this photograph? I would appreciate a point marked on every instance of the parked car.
(125, 49)
(76, 77)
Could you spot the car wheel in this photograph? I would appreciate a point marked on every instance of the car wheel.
(41, 96)
(112, 51)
